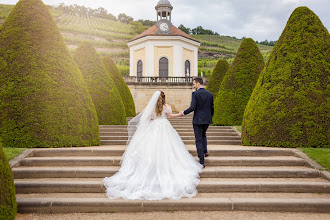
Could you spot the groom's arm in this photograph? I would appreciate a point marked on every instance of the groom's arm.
(212, 106)
(192, 105)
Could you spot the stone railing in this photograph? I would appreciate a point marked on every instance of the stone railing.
(158, 80)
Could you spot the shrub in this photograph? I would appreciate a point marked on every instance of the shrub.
(237, 84)
(8, 206)
(217, 76)
(44, 101)
(109, 106)
(120, 83)
(290, 105)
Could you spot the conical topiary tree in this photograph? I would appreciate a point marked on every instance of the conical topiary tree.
(290, 105)
(44, 101)
(122, 87)
(216, 78)
(237, 84)
(8, 206)
(109, 106)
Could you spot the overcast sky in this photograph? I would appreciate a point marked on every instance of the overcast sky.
(258, 19)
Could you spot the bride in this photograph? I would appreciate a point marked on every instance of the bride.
(156, 163)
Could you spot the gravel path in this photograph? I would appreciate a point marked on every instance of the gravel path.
(178, 215)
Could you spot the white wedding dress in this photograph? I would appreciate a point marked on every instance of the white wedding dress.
(155, 165)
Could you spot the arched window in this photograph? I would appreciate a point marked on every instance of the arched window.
(139, 68)
(163, 67)
(187, 71)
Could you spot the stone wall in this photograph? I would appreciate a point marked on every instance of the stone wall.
(178, 96)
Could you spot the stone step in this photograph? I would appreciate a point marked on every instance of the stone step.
(184, 138)
(181, 129)
(208, 172)
(210, 142)
(229, 150)
(210, 161)
(181, 133)
(77, 186)
(53, 204)
(177, 127)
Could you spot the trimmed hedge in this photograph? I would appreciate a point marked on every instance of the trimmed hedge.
(8, 206)
(290, 105)
(109, 106)
(44, 101)
(237, 84)
(121, 85)
(217, 76)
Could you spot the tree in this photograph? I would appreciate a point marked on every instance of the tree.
(216, 78)
(137, 27)
(184, 29)
(123, 89)
(8, 206)
(44, 101)
(147, 22)
(122, 17)
(237, 84)
(290, 105)
(105, 95)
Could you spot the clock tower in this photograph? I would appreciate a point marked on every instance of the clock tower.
(164, 9)
(164, 58)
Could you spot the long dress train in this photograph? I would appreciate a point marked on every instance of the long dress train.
(155, 165)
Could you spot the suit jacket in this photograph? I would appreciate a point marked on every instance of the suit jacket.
(202, 105)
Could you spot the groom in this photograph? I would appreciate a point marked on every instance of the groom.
(203, 107)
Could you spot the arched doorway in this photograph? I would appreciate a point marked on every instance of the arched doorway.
(163, 67)
(139, 68)
(187, 71)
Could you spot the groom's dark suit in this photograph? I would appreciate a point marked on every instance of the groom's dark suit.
(203, 107)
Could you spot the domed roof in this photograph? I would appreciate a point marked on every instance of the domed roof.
(164, 2)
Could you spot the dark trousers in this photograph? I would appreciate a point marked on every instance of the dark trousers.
(200, 140)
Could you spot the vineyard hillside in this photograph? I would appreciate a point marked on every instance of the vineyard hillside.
(110, 38)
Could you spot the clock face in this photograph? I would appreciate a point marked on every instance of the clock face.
(163, 27)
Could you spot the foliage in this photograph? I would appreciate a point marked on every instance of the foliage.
(84, 11)
(201, 31)
(237, 84)
(5, 10)
(290, 105)
(266, 42)
(137, 27)
(216, 78)
(123, 89)
(44, 101)
(320, 155)
(147, 23)
(123, 69)
(109, 106)
(8, 206)
(122, 17)
(184, 29)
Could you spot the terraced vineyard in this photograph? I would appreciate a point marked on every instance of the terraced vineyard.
(110, 38)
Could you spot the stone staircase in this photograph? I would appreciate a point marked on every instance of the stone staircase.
(236, 178)
(216, 135)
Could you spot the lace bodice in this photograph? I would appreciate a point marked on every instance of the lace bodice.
(168, 110)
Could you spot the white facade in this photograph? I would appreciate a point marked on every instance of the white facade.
(150, 49)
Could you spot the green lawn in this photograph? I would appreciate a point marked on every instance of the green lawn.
(320, 155)
(239, 128)
(11, 153)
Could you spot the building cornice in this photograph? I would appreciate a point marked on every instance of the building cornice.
(165, 38)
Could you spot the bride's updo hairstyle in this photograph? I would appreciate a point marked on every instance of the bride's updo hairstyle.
(160, 103)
